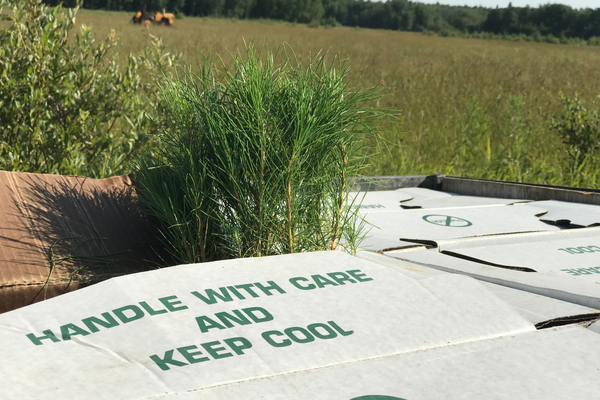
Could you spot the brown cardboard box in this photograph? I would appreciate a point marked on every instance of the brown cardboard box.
(59, 232)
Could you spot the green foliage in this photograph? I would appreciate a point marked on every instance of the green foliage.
(66, 107)
(255, 160)
(473, 132)
(536, 37)
(514, 159)
(518, 153)
(578, 128)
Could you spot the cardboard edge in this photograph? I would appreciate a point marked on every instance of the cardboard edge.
(551, 290)
(480, 261)
(17, 296)
(587, 319)
(379, 183)
(517, 190)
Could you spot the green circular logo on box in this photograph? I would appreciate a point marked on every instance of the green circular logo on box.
(447, 220)
(377, 397)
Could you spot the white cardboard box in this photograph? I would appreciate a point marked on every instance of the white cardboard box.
(548, 364)
(566, 288)
(398, 229)
(572, 252)
(537, 309)
(394, 200)
(573, 214)
(305, 326)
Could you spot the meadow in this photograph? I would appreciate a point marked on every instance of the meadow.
(467, 107)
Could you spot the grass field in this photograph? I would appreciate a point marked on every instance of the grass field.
(468, 107)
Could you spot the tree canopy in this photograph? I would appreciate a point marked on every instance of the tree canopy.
(550, 19)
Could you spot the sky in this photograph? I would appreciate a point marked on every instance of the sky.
(515, 3)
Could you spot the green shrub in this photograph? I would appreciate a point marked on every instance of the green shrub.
(550, 39)
(66, 107)
(330, 22)
(255, 161)
(594, 41)
(579, 129)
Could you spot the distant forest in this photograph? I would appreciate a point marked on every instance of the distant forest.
(550, 19)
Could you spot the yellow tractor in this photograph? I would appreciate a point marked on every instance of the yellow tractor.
(156, 19)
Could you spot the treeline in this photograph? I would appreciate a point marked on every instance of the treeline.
(552, 19)
(548, 20)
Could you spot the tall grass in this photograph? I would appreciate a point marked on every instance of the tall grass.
(500, 96)
(256, 158)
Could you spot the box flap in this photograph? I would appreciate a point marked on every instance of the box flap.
(202, 326)
(540, 310)
(566, 288)
(52, 227)
(562, 253)
(409, 198)
(457, 201)
(385, 200)
(548, 364)
(431, 225)
(574, 214)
